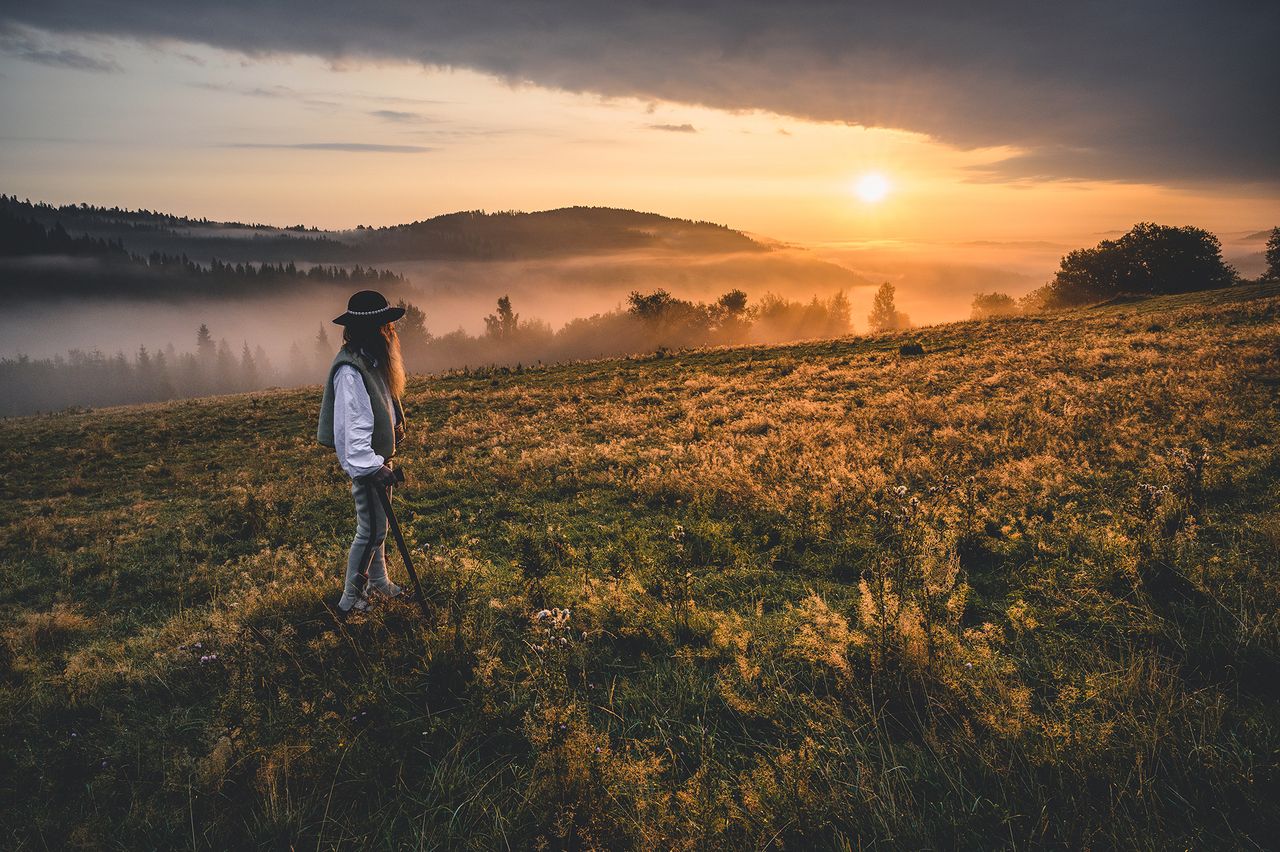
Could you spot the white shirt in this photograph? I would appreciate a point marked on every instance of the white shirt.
(353, 423)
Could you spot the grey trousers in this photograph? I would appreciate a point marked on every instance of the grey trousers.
(368, 548)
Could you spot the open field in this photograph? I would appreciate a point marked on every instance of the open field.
(1021, 590)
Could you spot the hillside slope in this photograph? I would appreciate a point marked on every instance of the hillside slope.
(464, 235)
(1021, 589)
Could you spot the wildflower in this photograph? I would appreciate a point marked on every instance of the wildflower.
(546, 613)
(902, 490)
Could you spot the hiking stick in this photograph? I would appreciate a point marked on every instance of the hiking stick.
(404, 549)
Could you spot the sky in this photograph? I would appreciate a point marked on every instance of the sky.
(999, 133)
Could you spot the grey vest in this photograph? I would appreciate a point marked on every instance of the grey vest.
(388, 416)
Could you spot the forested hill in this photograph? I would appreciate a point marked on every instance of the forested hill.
(38, 261)
(566, 231)
(147, 231)
(466, 235)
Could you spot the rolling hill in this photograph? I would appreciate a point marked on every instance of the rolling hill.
(1018, 590)
(557, 265)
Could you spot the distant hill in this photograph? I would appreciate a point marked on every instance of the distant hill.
(509, 235)
(560, 254)
(146, 231)
(465, 235)
(38, 261)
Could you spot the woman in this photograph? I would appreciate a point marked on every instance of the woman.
(361, 418)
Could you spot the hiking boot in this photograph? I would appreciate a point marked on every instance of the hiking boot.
(361, 604)
(389, 590)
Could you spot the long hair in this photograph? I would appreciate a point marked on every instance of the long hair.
(380, 343)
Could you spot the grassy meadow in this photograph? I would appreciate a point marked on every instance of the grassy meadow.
(1019, 591)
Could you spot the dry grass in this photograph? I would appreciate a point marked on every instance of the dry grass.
(1019, 591)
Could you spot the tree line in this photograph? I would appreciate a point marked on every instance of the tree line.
(1149, 260)
(649, 322)
(122, 272)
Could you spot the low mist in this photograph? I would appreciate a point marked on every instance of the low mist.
(90, 350)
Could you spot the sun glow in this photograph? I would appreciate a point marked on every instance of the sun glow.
(872, 187)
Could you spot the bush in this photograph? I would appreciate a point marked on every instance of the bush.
(986, 305)
(1149, 260)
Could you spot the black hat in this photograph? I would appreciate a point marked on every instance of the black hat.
(369, 306)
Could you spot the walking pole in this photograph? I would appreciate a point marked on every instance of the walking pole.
(404, 550)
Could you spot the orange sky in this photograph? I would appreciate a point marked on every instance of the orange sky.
(195, 130)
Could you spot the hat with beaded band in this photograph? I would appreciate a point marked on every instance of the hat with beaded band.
(369, 307)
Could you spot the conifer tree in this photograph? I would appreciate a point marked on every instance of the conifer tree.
(248, 368)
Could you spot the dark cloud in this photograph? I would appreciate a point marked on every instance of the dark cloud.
(674, 128)
(352, 147)
(1170, 91)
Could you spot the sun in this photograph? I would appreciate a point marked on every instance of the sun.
(873, 187)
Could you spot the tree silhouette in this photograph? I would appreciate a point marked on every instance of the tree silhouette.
(1149, 260)
(266, 372)
(730, 314)
(323, 353)
(248, 369)
(993, 305)
(163, 388)
(206, 358)
(412, 331)
(1273, 256)
(225, 380)
(885, 315)
(504, 324)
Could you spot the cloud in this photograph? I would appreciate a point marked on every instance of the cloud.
(396, 115)
(351, 147)
(248, 91)
(26, 46)
(276, 91)
(1166, 91)
(674, 128)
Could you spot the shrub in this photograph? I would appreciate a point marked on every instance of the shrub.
(986, 305)
(1149, 260)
